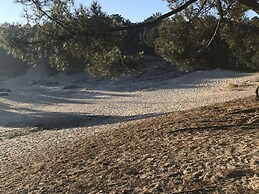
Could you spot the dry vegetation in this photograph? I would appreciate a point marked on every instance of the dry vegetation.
(213, 149)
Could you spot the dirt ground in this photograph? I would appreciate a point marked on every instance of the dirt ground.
(211, 149)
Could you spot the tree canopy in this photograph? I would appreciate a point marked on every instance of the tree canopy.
(108, 45)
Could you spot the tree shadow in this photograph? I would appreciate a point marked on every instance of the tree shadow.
(168, 78)
(40, 120)
(49, 95)
(17, 122)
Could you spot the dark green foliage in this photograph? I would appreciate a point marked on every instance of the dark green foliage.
(243, 40)
(185, 44)
(113, 63)
(15, 39)
(86, 38)
(190, 39)
(79, 38)
(10, 66)
(149, 35)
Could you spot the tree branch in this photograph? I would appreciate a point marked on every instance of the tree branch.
(253, 4)
(199, 11)
(156, 21)
(220, 9)
(51, 18)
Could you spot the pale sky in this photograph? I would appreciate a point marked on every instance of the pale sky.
(134, 10)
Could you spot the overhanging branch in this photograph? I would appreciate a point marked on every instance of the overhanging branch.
(156, 21)
(199, 11)
(49, 17)
(220, 9)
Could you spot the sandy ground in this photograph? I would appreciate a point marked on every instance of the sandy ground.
(49, 105)
(40, 103)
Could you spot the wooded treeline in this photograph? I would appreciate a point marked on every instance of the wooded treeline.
(205, 34)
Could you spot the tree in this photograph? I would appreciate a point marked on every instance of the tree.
(243, 40)
(68, 36)
(65, 34)
(184, 44)
(193, 37)
(149, 35)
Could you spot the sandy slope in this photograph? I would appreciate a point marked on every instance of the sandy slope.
(61, 115)
(48, 105)
(209, 150)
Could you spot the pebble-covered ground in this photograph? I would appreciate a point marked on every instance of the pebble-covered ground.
(56, 117)
(212, 149)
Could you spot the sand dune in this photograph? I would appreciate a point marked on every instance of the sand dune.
(96, 105)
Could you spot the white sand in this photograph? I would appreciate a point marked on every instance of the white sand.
(99, 105)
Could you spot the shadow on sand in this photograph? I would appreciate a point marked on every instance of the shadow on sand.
(49, 96)
(105, 89)
(57, 120)
(36, 121)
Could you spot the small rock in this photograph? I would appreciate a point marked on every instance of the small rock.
(133, 172)
(50, 83)
(68, 87)
(33, 82)
(5, 90)
(4, 94)
(197, 175)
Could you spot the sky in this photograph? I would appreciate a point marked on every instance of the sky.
(134, 10)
